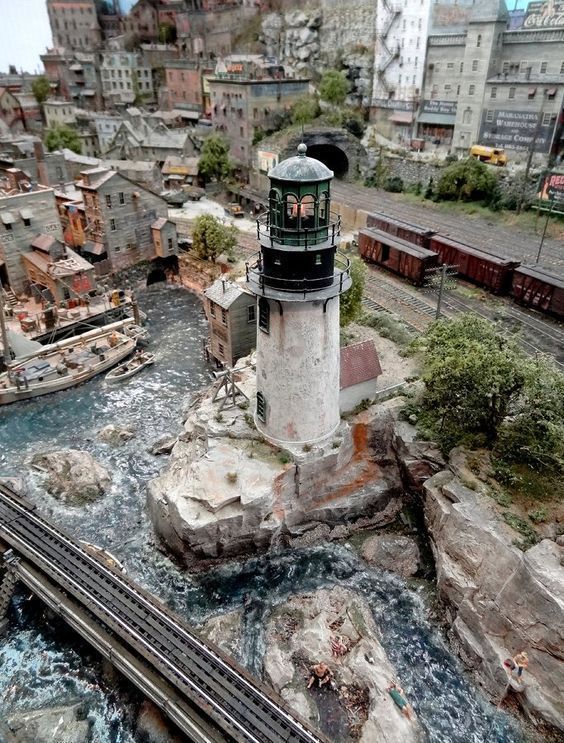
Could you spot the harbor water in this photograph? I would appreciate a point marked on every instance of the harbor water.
(42, 664)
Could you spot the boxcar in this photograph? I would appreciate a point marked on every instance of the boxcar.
(491, 271)
(395, 254)
(539, 289)
(410, 232)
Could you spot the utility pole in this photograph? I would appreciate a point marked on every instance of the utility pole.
(436, 280)
(530, 154)
(548, 213)
(441, 289)
(5, 344)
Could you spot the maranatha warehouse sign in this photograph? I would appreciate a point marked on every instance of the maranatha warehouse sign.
(516, 130)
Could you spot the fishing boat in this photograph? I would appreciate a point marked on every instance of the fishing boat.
(131, 367)
(65, 364)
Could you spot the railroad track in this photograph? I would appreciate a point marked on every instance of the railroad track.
(388, 296)
(247, 712)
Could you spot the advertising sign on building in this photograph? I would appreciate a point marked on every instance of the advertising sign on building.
(544, 14)
(516, 130)
(266, 160)
(551, 187)
(448, 108)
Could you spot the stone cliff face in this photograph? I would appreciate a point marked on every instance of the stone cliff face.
(499, 600)
(225, 492)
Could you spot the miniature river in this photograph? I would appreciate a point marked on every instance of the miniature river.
(43, 664)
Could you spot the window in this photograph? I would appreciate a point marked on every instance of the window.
(318, 259)
(474, 65)
(543, 67)
(450, 65)
(562, 68)
(261, 407)
(548, 119)
(531, 93)
(27, 221)
(221, 350)
(479, 40)
(113, 225)
(511, 94)
(170, 244)
(224, 316)
(264, 315)
(121, 196)
(109, 200)
(505, 68)
(130, 246)
(461, 66)
(212, 309)
(493, 92)
(489, 116)
(448, 88)
(471, 90)
(523, 66)
(551, 93)
(117, 249)
(251, 313)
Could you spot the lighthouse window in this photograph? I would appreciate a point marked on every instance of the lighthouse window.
(264, 315)
(261, 407)
(291, 211)
(318, 259)
(323, 203)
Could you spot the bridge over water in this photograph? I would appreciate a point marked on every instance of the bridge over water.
(203, 691)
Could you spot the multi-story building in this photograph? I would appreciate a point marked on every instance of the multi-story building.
(142, 21)
(74, 24)
(125, 77)
(58, 112)
(399, 64)
(231, 313)
(73, 76)
(11, 114)
(106, 127)
(144, 138)
(183, 84)
(487, 84)
(126, 222)
(242, 105)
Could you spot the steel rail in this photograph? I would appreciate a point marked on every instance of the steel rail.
(263, 704)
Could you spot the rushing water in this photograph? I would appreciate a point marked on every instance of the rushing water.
(42, 665)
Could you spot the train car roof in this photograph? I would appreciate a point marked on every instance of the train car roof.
(394, 241)
(394, 220)
(501, 260)
(537, 272)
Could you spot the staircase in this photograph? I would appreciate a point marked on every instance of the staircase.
(10, 297)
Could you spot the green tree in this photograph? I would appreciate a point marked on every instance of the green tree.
(305, 109)
(351, 300)
(62, 136)
(214, 159)
(211, 237)
(333, 87)
(467, 180)
(41, 88)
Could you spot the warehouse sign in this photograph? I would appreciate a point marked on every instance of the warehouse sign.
(544, 14)
(551, 187)
(434, 106)
(516, 130)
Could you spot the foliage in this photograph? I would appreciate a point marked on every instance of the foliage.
(353, 122)
(214, 159)
(467, 180)
(60, 136)
(388, 327)
(41, 88)
(394, 184)
(333, 87)
(305, 110)
(351, 300)
(380, 174)
(211, 237)
(524, 528)
(430, 190)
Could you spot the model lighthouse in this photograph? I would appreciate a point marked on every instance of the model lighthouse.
(298, 278)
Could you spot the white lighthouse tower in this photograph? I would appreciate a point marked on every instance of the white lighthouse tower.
(298, 278)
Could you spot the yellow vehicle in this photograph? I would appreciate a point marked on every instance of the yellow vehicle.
(492, 155)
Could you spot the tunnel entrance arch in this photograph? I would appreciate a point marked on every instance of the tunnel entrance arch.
(332, 156)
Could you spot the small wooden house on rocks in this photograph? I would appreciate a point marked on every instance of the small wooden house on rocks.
(231, 313)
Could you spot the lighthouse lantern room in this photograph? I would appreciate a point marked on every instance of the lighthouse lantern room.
(297, 277)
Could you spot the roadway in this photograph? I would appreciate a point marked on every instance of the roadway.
(230, 698)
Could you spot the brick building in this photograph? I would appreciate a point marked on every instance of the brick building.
(183, 85)
(121, 216)
(74, 24)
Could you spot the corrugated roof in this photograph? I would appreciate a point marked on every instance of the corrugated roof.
(43, 242)
(224, 292)
(359, 363)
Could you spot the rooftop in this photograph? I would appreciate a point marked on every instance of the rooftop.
(359, 363)
(224, 292)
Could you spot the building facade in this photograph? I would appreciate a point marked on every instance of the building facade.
(183, 83)
(120, 215)
(231, 313)
(241, 107)
(11, 114)
(74, 24)
(125, 77)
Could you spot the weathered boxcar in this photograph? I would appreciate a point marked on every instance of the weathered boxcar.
(493, 272)
(395, 254)
(412, 233)
(539, 289)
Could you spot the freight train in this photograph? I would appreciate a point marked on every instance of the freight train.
(410, 250)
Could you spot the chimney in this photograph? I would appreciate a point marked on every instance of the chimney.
(223, 285)
(39, 155)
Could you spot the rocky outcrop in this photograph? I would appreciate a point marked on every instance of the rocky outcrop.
(394, 552)
(116, 435)
(51, 725)
(226, 492)
(418, 460)
(499, 599)
(299, 634)
(162, 446)
(74, 476)
(153, 727)
(225, 631)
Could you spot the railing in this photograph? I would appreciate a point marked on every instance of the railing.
(303, 237)
(338, 281)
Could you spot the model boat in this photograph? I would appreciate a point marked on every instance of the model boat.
(131, 367)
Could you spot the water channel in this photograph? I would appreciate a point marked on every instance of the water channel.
(43, 664)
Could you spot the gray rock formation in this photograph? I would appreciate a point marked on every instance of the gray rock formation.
(116, 435)
(51, 725)
(154, 727)
(74, 476)
(418, 460)
(500, 600)
(299, 634)
(163, 446)
(225, 632)
(225, 492)
(394, 552)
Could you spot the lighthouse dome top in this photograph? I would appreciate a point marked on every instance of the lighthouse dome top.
(301, 168)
